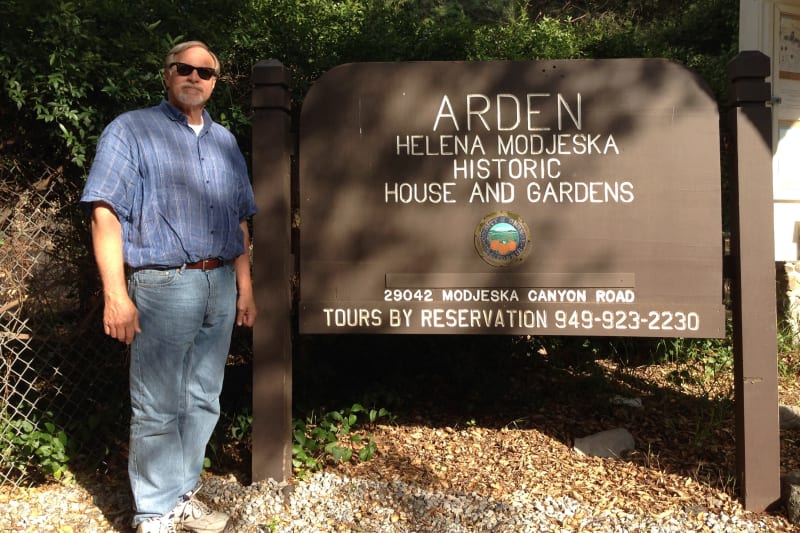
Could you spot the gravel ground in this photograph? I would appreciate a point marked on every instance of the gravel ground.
(334, 503)
(331, 502)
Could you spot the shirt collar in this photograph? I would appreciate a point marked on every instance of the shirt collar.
(176, 114)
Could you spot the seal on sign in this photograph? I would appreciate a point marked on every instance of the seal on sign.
(502, 239)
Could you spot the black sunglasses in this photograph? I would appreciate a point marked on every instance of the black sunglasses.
(184, 69)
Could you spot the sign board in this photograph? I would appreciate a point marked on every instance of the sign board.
(568, 197)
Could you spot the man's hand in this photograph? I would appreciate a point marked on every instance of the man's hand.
(245, 302)
(245, 310)
(120, 318)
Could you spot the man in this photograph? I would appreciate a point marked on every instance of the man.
(169, 196)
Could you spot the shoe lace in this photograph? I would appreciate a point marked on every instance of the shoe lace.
(192, 507)
(196, 508)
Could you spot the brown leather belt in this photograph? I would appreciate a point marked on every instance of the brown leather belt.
(206, 264)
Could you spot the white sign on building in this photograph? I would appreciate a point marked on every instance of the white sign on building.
(773, 27)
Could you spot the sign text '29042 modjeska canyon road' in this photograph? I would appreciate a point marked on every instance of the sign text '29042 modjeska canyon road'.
(547, 197)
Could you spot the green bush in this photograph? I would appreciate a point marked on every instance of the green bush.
(334, 437)
(67, 68)
(35, 447)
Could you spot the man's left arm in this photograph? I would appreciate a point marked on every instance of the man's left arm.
(245, 302)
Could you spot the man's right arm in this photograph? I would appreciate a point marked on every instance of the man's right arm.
(120, 316)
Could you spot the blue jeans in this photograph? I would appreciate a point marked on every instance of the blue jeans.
(176, 373)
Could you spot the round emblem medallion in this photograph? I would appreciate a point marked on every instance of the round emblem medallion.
(502, 239)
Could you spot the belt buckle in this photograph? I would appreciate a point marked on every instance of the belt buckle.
(203, 264)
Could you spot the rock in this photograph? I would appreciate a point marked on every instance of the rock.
(790, 495)
(628, 402)
(789, 416)
(611, 443)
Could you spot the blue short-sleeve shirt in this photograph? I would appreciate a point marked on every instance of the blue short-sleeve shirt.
(179, 196)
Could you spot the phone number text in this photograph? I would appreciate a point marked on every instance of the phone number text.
(627, 320)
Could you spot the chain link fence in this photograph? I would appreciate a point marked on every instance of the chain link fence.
(63, 384)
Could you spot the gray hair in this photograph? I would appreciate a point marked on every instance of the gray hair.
(180, 47)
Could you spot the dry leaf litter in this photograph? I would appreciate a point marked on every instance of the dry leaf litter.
(437, 478)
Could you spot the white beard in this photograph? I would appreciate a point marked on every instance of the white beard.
(193, 97)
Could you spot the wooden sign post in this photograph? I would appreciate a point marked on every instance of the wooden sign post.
(754, 308)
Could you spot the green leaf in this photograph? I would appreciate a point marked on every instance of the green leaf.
(366, 453)
(341, 455)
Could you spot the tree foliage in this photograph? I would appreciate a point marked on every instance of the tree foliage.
(68, 67)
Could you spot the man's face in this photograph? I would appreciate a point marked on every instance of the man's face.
(190, 91)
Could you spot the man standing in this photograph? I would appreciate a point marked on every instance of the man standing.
(169, 196)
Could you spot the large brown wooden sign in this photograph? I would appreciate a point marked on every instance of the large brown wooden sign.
(548, 197)
(610, 223)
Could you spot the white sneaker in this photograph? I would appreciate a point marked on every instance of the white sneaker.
(193, 515)
(158, 524)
